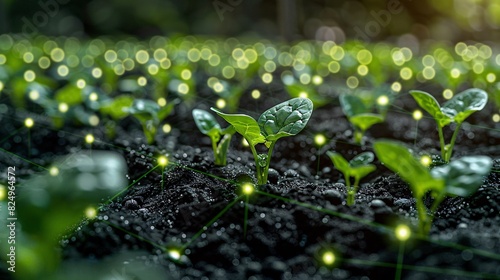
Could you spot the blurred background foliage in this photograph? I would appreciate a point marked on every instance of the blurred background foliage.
(451, 20)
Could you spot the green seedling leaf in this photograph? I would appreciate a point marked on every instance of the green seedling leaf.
(244, 125)
(362, 171)
(205, 121)
(116, 108)
(463, 176)
(166, 110)
(70, 95)
(362, 159)
(285, 119)
(431, 106)
(352, 105)
(465, 103)
(339, 161)
(366, 120)
(144, 109)
(399, 159)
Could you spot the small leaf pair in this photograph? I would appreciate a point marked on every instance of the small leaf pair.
(457, 109)
(220, 138)
(285, 119)
(461, 177)
(358, 167)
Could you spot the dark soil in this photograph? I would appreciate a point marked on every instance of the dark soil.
(285, 237)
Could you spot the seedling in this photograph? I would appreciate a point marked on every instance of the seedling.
(149, 114)
(285, 119)
(364, 109)
(221, 138)
(461, 177)
(358, 167)
(457, 109)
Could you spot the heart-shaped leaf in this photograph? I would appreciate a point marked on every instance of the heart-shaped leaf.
(431, 106)
(465, 103)
(285, 119)
(339, 162)
(362, 159)
(366, 120)
(205, 121)
(352, 105)
(399, 159)
(463, 176)
(244, 125)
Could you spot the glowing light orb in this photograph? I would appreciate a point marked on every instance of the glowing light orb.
(320, 139)
(247, 188)
(417, 115)
(29, 122)
(403, 232)
(328, 258)
(89, 138)
(163, 161)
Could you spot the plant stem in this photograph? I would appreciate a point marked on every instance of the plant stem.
(441, 141)
(422, 217)
(256, 159)
(449, 151)
(265, 171)
(351, 192)
(358, 136)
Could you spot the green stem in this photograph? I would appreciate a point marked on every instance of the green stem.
(422, 217)
(358, 136)
(256, 159)
(441, 142)
(265, 171)
(351, 192)
(449, 151)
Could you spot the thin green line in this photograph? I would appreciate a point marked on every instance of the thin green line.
(213, 220)
(136, 236)
(205, 173)
(10, 135)
(462, 247)
(399, 266)
(133, 183)
(26, 160)
(447, 271)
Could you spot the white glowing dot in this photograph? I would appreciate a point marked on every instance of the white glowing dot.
(455, 73)
(29, 122)
(303, 94)
(44, 62)
(93, 96)
(362, 70)
(320, 139)
(153, 69)
(167, 128)
(305, 79)
(183, 88)
(328, 258)
(89, 138)
(186, 74)
(383, 100)
(29, 76)
(97, 73)
(426, 160)
(174, 254)
(403, 232)
(161, 101)
(57, 54)
(447, 93)
(63, 70)
(3, 59)
(417, 115)
(142, 56)
(491, 77)
(81, 83)
(221, 103)
(255, 94)
(3, 193)
(142, 81)
(247, 189)
(54, 171)
(496, 118)
(90, 212)
(110, 56)
(317, 80)
(163, 161)
(406, 73)
(28, 57)
(93, 120)
(396, 87)
(218, 87)
(267, 78)
(34, 95)
(63, 107)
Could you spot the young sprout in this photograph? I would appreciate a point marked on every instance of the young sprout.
(285, 119)
(461, 177)
(221, 138)
(457, 109)
(149, 114)
(358, 167)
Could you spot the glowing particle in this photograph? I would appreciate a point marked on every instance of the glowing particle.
(320, 139)
(383, 100)
(247, 188)
(29, 76)
(417, 115)
(362, 70)
(305, 79)
(186, 74)
(334, 67)
(166, 128)
(93, 96)
(174, 254)
(447, 93)
(34, 95)
(110, 56)
(63, 107)
(96, 73)
(163, 161)
(93, 120)
(303, 94)
(455, 73)
(183, 88)
(255, 94)
(491, 77)
(267, 78)
(142, 81)
(153, 69)
(396, 87)
(44, 62)
(496, 118)
(317, 80)
(161, 101)
(81, 83)
(142, 56)
(221, 103)
(54, 171)
(90, 212)
(218, 87)
(1, 85)
(63, 70)
(426, 160)
(352, 82)
(403, 232)
(89, 138)
(328, 258)
(406, 73)
(3, 192)
(57, 55)
(29, 122)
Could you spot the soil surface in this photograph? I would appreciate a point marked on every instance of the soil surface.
(291, 221)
